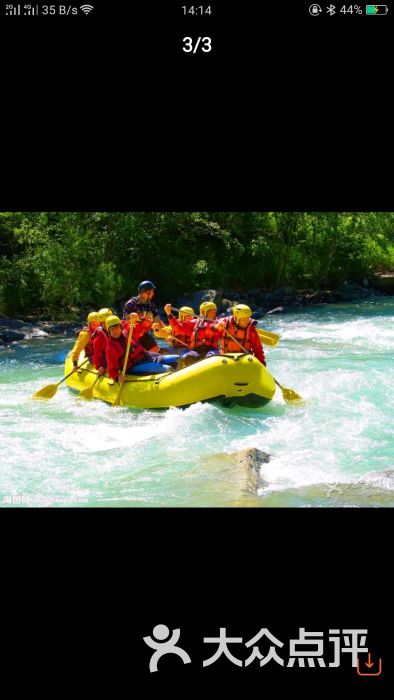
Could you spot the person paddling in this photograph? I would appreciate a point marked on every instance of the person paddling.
(84, 339)
(140, 305)
(203, 338)
(140, 361)
(99, 339)
(178, 339)
(242, 327)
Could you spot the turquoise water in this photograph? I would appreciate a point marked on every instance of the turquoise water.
(336, 451)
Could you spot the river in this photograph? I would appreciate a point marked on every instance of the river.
(338, 450)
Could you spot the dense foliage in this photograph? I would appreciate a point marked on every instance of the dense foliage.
(57, 261)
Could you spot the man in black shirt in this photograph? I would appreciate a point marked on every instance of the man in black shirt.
(140, 305)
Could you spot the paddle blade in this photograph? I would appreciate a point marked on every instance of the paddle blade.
(46, 392)
(268, 338)
(291, 396)
(117, 399)
(86, 394)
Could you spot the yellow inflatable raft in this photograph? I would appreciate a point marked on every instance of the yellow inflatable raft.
(230, 379)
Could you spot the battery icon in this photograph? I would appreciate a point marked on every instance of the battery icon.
(376, 9)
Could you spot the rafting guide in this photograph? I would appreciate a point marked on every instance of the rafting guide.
(299, 655)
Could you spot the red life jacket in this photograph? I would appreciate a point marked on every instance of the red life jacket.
(116, 350)
(242, 334)
(89, 347)
(180, 331)
(199, 335)
(99, 340)
(140, 328)
(179, 340)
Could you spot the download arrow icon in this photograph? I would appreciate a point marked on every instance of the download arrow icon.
(370, 663)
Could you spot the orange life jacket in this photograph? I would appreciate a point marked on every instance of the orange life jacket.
(227, 344)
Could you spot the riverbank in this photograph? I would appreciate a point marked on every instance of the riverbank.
(279, 301)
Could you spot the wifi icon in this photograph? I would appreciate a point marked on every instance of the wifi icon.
(86, 8)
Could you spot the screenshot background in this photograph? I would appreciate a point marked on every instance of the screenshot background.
(288, 112)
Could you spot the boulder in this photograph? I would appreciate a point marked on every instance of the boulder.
(14, 323)
(242, 469)
(277, 310)
(9, 335)
(52, 328)
(258, 313)
(214, 295)
(34, 332)
(383, 282)
(67, 328)
(288, 293)
(194, 299)
(227, 305)
(248, 464)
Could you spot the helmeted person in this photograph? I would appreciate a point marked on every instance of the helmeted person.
(142, 304)
(140, 361)
(99, 339)
(84, 339)
(179, 340)
(243, 329)
(204, 341)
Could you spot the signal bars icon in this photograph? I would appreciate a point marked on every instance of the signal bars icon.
(86, 8)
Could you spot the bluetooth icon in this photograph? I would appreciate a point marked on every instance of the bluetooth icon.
(331, 10)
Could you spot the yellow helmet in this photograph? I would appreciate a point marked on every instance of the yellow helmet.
(112, 321)
(93, 316)
(185, 311)
(241, 311)
(207, 306)
(104, 313)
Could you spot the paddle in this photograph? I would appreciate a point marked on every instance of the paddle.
(266, 337)
(289, 395)
(169, 334)
(88, 392)
(48, 391)
(126, 357)
(272, 339)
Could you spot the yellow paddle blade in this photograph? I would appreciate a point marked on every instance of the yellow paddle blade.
(86, 393)
(268, 338)
(117, 399)
(162, 332)
(291, 396)
(46, 392)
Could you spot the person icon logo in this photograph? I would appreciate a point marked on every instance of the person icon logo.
(161, 633)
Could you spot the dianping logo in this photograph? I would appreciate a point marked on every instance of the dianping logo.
(86, 8)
